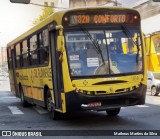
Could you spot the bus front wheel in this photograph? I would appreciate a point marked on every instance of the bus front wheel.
(54, 115)
(113, 112)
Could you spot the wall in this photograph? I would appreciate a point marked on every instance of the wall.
(3, 56)
(81, 3)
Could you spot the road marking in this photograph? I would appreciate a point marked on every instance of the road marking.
(142, 106)
(40, 110)
(8, 97)
(139, 106)
(15, 110)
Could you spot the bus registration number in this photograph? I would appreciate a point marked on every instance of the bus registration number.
(94, 104)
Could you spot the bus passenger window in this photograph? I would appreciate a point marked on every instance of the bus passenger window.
(10, 63)
(9, 58)
(43, 47)
(33, 50)
(25, 58)
(44, 55)
(18, 53)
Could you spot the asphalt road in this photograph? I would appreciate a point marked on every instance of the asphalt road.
(15, 117)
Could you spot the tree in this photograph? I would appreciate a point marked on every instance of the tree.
(46, 11)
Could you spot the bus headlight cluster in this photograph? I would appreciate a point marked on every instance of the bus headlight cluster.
(128, 89)
(77, 90)
(133, 88)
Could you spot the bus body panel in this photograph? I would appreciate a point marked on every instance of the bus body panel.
(81, 101)
(116, 90)
(153, 52)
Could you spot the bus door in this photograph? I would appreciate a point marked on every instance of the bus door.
(56, 71)
(13, 73)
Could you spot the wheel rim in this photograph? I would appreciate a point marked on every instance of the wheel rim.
(153, 91)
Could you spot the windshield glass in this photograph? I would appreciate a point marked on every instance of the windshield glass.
(103, 52)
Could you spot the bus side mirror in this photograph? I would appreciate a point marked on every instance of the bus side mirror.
(60, 44)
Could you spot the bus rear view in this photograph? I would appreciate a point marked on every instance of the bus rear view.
(104, 59)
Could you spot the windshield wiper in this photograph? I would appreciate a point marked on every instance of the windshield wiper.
(128, 34)
(95, 43)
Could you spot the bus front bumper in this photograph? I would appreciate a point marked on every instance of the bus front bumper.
(78, 101)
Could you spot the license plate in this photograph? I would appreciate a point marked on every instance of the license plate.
(94, 104)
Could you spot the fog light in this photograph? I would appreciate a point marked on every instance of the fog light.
(73, 85)
(133, 87)
(92, 93)
(85, 92)
(128, 89)
(140, 84)
(77, 90)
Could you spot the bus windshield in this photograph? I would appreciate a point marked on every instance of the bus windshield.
(103, 52)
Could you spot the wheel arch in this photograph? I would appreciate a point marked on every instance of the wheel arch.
(153, 86)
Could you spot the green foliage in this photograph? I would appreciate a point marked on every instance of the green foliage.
(47, 11)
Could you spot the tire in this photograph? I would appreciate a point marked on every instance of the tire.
(53, 114)
(23, 101)
(154, 91)
(113, 112)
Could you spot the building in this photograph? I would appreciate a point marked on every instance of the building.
(147, 8)
(150, 15)
(81, 3)
(3, 56)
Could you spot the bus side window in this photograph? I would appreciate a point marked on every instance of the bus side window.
(9, 58)
(43, 47)
(25, 57)
(18, 53)
(33, 50)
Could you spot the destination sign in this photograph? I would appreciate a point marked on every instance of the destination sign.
(78, 19)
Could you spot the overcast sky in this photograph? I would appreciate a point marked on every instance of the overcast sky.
(15, 19)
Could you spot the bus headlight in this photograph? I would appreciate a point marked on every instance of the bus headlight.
(77, 90)
(128, 89)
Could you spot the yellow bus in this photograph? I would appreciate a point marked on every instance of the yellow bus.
(153, 51)
(80, 59)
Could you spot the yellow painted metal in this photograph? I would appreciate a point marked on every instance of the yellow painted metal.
(152, 42)
(33, 80)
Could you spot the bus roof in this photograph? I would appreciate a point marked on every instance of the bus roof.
(55, 17)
